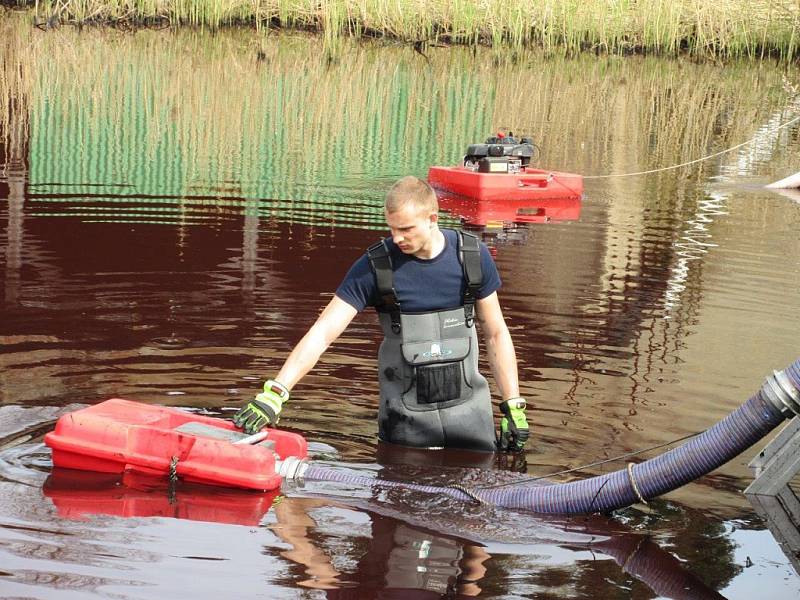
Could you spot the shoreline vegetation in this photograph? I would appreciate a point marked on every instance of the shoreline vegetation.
(270, 117)
(715, 30)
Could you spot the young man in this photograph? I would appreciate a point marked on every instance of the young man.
(428, 286)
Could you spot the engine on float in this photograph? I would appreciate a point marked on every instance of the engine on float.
(502, 153)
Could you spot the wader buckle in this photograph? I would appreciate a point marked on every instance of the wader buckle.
(469, 313)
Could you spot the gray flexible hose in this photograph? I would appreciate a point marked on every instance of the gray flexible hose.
(776, 401)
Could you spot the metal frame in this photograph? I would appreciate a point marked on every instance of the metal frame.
(772, 498)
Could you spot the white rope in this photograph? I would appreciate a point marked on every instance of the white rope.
(696, 160)
(468, 492)
(633, 483)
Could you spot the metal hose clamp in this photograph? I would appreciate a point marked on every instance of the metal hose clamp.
(781, 392)
(291, 467)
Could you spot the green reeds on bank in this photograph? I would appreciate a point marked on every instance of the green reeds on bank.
(172, 112)
(718, 29)
(201, 124)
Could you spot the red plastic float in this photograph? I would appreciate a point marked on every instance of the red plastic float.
(526, 184)
(501, 168)
(118, 435)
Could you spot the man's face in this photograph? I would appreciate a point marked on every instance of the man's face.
(411, 229)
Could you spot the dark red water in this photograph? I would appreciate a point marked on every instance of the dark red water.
(196, 316)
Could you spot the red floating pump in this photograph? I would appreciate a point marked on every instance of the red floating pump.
(119, 436)
(502, 169)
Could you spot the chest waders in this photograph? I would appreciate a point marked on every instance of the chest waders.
(432, 394)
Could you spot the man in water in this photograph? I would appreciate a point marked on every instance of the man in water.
(428, 286)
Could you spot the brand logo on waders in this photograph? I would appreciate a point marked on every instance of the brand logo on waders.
(451, 323)
(437, 351)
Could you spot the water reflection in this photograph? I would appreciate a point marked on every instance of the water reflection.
(503, 222)
(79, 494)
(387, 555)
(14, 235)
(149, 133)
(696, 240)
(478, 213)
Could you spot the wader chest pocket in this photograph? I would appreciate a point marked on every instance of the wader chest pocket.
(438, 369)
(438, 383)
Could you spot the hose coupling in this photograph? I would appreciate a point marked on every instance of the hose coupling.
(291, 467)
(780, 390)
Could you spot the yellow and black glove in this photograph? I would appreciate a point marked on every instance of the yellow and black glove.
(513, 426)
(264, 409)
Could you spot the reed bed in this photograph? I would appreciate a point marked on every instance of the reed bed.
(175, 115)
(720, 29)
(15, 90)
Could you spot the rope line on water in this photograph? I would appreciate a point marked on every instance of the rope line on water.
(696, 160)
(594, 464)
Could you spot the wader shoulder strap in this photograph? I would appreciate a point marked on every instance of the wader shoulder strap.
(381, 264)
(469, 254)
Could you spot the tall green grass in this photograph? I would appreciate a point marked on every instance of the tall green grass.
(272, 113)
(715, 29)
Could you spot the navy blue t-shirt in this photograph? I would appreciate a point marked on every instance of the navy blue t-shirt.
(421, 285)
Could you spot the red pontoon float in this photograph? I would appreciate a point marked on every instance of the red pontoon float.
(118, 436)
(500, 170)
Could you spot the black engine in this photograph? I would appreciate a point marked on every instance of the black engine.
(500, 154)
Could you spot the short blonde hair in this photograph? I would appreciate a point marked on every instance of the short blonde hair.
(411, 190)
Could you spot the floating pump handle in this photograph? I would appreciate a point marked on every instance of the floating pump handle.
(253, 439)
(535, 181)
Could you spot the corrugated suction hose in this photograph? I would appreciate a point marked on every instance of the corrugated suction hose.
(777, 400)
